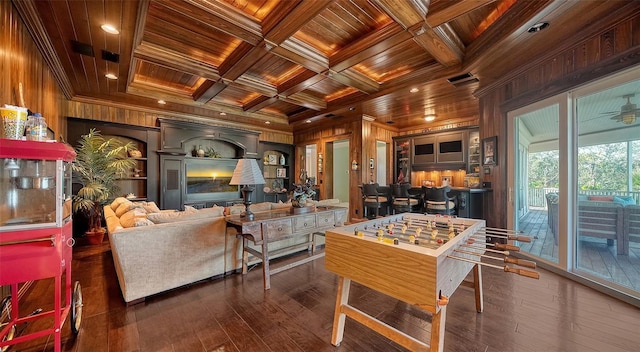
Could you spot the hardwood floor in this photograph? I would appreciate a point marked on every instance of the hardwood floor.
(235, 314)
(594, 256)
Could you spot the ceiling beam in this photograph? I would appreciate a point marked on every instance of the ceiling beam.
(208, 89)
(368, 46)
(241, 60)
(450, 10)
(407, 13)
(299, 83)
(356, 80)
(295, 19)
(259, 103)
(176, 61)
(220, 16)
(441, 42)
(306, 100)
(302, 54)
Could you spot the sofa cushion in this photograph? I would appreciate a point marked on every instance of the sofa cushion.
(149, 207)
(624, 200)
(601, 198)
(234, 209)
(191, 214)
(264, 206)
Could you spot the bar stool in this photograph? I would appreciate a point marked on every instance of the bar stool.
(402, 200)
(372, 199)
(437, 201)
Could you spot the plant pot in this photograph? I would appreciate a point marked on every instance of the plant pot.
(95, 237)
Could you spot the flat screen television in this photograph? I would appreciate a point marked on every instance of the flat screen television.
(208, 179)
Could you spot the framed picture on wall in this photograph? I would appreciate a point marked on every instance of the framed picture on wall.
(490, 151)
(281, 173)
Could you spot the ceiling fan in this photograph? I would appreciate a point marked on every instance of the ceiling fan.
(628, 112)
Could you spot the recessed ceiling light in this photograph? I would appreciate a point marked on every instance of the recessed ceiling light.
(111, 76)
(538, 27)
(430, 118)
(308, 121)
(161, 102)
(109, 29)
(223, 114)
(267, 122)
(414, 90)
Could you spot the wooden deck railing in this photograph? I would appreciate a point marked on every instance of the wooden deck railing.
(537, 195)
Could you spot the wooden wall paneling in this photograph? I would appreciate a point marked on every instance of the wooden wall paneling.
(21, 62)
(615, 48)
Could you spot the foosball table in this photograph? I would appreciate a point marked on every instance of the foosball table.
(418, 259)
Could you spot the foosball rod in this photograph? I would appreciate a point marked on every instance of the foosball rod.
(506, 268)
(488, 232)
(423, 242)
(486, 249)
(506, 259)
(500, 246)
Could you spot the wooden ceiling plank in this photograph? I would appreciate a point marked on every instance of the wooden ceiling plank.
(176, 61)
(407, 13)
(127, 24)
(259, 103)
(370, 45)
(295, 19)
(301, 54)
(518, 15)
(208, 89)
(236, 68)
(453, 10)
(300, 83)
(442, 43)
(220, 16)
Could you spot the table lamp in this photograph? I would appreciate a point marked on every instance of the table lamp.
(247, 173)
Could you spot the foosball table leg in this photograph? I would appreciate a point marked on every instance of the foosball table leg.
(437, 329)
(477, 286)
(339, 317)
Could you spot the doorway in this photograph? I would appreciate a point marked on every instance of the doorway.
(341, 169)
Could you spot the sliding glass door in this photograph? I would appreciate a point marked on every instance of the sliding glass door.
(576, 181)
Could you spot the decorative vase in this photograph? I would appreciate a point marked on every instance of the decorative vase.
(200, 151)
(282, 161)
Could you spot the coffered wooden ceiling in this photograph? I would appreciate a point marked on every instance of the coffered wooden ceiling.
(289, 61)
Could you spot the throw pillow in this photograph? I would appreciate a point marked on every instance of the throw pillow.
(116, 202)
(124, 207)
(280, 205)
(149, 207)
(260, 207)
(130, 218)
(624, 200)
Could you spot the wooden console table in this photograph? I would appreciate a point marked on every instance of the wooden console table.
(276, 225)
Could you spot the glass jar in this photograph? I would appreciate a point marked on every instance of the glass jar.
(36, 129)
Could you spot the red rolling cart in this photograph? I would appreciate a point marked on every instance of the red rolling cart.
(35, 234)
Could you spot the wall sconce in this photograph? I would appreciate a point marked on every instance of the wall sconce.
(320, 162)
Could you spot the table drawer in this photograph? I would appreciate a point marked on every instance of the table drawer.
(275, 229)
(326, 219)
(306, 222)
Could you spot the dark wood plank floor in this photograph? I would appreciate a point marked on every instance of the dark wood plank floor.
(594, 256)
(235, 314)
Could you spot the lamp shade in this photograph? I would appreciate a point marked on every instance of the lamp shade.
(247, 172)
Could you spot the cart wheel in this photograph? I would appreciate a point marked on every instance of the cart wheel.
(5, 315)
(76, 308)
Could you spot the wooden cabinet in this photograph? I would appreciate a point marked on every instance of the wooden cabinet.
(402, 158)
(142, 181)
(473, 163)
(277, 171)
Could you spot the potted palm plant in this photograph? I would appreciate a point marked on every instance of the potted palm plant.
(99, 163)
